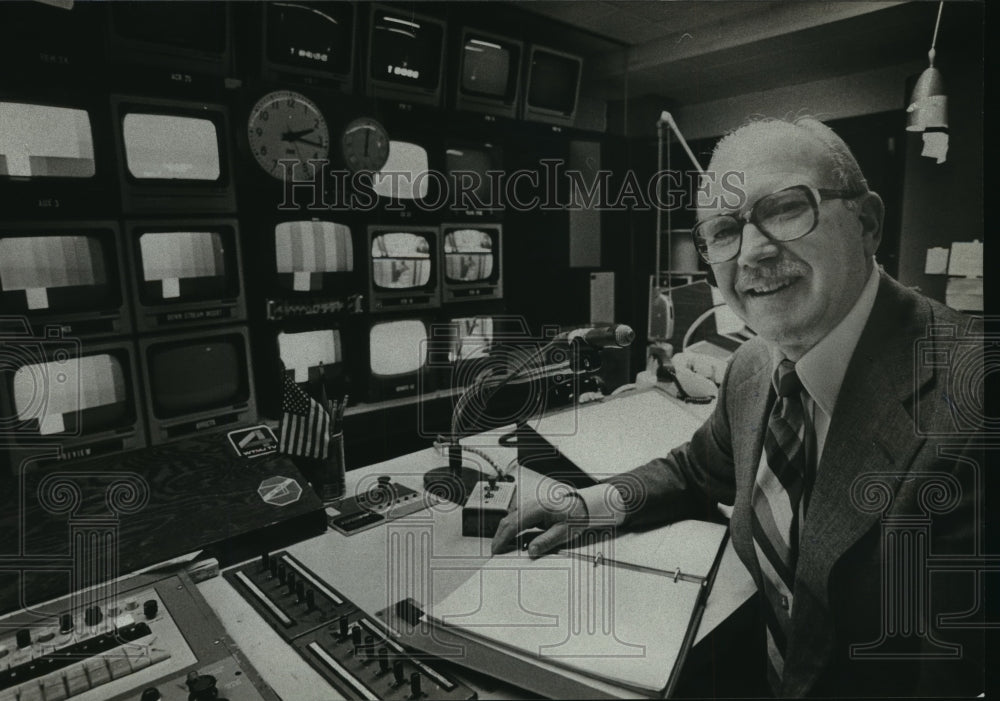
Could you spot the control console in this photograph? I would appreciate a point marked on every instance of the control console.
(354, 652)
(150, 638)
(488, 502)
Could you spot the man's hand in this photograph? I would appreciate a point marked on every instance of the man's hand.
(554, 507)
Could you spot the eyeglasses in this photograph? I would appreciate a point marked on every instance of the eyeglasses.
(785, 215)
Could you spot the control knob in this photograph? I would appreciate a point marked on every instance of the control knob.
(201, 687)
(92, 616)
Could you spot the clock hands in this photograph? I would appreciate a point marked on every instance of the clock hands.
(297, 135)
(317, 144)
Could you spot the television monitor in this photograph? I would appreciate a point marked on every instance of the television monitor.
(194, 39)
(553, 86)
(312, 356)
(403, 267)
(314, 269)
(53, 152)
(489, 73)
(468, 167)
(185, 272)
(197, 381)
(471, 262)
(314, 40)
(173, 156)
(405, 175)
(67, 274)
(405, 55)
(459, 347)
(50, 40)
(63, 399)
(397, 358)
(692, 305)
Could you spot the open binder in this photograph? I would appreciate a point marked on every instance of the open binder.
(609, 617)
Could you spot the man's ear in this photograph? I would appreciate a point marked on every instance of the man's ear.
(871, 213)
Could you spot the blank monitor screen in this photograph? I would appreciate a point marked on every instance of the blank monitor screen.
(404, 175)
(183, 265)
(397, 347)
(302, 248)
(54, 272)
(309, 350)
(171, 147)
(90, 389)
(468, 255)
(194, 375)
(314, 35)
(554, 80)
(400, 261)
(44, 141)
(468, 171)
(473, 340)
(405, 50)
(486, 68)
(200, 27)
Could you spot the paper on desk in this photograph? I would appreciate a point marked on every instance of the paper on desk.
(966, 259)
(609, 623)
(937, 261)
(621, 433)
(964, 294)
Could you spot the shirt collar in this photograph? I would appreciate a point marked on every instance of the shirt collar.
(823, 367)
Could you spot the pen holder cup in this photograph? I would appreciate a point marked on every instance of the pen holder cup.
(331, 478)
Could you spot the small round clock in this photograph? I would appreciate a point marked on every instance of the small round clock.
(286, 125)
(365, 144)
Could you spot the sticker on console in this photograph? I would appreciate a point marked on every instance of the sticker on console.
(279, 491)
(253, 442)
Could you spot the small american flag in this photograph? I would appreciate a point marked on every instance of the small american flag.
(305, 424)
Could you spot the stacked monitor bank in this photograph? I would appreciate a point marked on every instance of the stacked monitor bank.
(125, 321)
(123, 275)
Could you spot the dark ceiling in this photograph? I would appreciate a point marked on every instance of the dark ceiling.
(698, 51)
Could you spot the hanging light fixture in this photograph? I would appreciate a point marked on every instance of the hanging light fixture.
(928, 108)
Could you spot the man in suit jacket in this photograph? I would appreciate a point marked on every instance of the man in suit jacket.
(889, 389)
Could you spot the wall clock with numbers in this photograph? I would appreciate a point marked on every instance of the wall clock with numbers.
(286, 125)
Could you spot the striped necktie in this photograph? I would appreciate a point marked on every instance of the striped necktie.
(783, 474)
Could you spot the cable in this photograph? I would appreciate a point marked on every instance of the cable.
(469, 393)
(697, 322)
(441, 444)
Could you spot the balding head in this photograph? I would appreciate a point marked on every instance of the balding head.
(833, 155)
(792, 292)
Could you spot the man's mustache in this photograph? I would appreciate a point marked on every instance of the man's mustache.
(750, 277)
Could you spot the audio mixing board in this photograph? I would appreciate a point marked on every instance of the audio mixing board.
(145, 638)
(354, 652)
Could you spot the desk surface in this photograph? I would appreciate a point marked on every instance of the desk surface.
(423, 556)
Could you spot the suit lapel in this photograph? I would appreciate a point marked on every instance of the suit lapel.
(752, 401)
(870, 432)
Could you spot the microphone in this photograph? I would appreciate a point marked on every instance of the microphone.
(615, 336)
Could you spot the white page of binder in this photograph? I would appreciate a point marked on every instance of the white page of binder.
(616, 435)
(620, 625)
